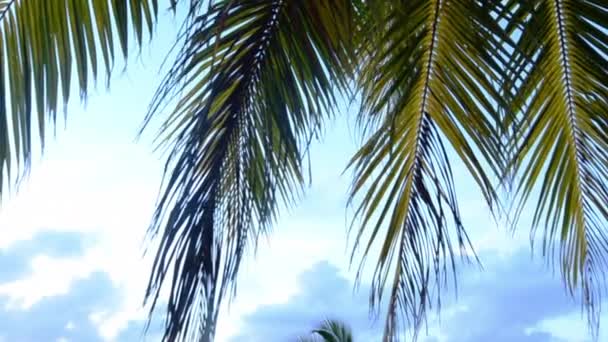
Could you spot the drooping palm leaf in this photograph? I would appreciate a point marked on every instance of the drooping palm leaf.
(253, 81)
(432, 77)
(43, 46)
(561, 141)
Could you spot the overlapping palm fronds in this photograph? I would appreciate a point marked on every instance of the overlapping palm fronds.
(561, 110)
(44, 45)
(255, 80)
(515, 90)
(430, 79)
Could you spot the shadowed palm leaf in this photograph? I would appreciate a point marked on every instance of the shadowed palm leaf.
(256, 79)
(43, 46)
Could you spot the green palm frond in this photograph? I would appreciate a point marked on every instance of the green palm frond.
(432, 79)
(562, 142)
(43, 46)
(253, 82)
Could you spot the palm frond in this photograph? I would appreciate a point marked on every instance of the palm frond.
(43, 46)
(432, 78)
(561, 143)
(253, 82)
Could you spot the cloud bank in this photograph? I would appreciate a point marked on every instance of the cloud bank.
(72, 316)
(507, 301)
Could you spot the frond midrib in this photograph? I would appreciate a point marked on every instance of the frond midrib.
(572, 128)
(7, 9)
(422, 114)
(415, 170)
(259, 56)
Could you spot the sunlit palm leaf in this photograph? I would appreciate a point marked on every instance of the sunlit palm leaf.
(432, 78)
(562, 141)
(43, 46)
(253, 81)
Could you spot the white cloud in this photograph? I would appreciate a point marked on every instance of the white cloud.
(49, 277)
(322, 292)
(513, 299)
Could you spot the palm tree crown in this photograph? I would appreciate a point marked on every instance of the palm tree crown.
(515, 90)
(330, 331)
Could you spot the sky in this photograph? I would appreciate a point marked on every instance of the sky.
(72, 266)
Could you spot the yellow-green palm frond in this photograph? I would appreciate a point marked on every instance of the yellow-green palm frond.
(561, 112)
(432, 79)
(43, 46)
(253, 82)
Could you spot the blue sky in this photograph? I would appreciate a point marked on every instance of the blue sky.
(71, 244)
